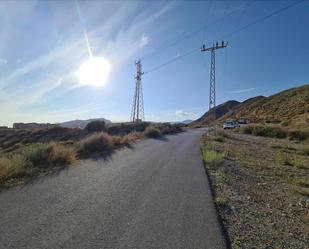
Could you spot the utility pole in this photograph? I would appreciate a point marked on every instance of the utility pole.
(137, 114)
(212, 90)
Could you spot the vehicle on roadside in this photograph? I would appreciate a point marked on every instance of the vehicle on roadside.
(230, 124)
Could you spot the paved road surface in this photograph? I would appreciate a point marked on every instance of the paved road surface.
(155, 195)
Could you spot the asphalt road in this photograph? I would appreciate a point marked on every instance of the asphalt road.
(154, 195)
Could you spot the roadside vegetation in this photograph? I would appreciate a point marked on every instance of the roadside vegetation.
(55, 148)
(260, 185)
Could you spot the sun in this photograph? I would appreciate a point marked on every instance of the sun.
(94, 71)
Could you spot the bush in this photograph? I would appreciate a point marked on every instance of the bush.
(284, 159)
(222, 134)
(300, 182)
(304, 151)
(167, 128)
(12, 166)
(247, 129)
(224, 176)
(286, 122)
(49, 155)
(265, 131)
(96, 126)
(219, 138)
(298, 135)
(131, 138)
(152, 132)
(96, 143)
(299, 164)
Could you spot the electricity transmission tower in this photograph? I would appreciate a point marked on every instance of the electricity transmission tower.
(137, 114)
(212, 90)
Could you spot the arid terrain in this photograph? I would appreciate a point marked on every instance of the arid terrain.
(261, 188)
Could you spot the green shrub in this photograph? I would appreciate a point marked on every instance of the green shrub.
(284, 159)
(246, 129)
(96, 126)
(298, 135)
(212, 158)
(300, 182)
(152, 132)
(219, 139)
(299, 164)
(286, 122)
(222, 134)
(96, 143)
(304, 151)
(265, 131)
(224, 176)
(220, 201)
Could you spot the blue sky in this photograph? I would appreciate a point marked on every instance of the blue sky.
(42, 46)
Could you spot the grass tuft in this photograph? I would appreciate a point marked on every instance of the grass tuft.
(212, 158)
(284, 159)
(224, 176)
(220, 201)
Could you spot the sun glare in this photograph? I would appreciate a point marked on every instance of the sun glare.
(94, 71)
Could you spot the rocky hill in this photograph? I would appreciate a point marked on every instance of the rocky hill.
(220, 110)
(288, 108)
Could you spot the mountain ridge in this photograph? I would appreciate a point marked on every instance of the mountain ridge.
(289, 108)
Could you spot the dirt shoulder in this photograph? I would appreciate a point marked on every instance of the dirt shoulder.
(261, 188)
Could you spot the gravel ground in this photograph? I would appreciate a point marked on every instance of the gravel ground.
(259, 206)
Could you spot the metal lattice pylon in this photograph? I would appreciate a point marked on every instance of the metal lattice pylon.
(212, 90)
(137, 114)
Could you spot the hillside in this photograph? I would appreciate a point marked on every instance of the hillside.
(288, 108)
(81, 123)
(220, 110)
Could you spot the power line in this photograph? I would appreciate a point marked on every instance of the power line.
(172, 60)
(228, 35)
(264, 18)
(187, 35)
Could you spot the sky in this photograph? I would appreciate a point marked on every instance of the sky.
(44, 43)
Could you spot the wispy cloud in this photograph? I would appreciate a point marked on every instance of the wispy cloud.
(52, 69)
(243, 90)
(181, 113)
(3, 62)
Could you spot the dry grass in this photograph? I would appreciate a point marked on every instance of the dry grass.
(49, 155)
(12, 166)
(34, 159)
(96, 143)
(30, 157)
(152, 132)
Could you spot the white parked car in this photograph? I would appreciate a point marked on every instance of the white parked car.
(230, 125)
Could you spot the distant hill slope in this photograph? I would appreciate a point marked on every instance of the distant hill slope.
(221, 110)
(81, 123)
(289, 108)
